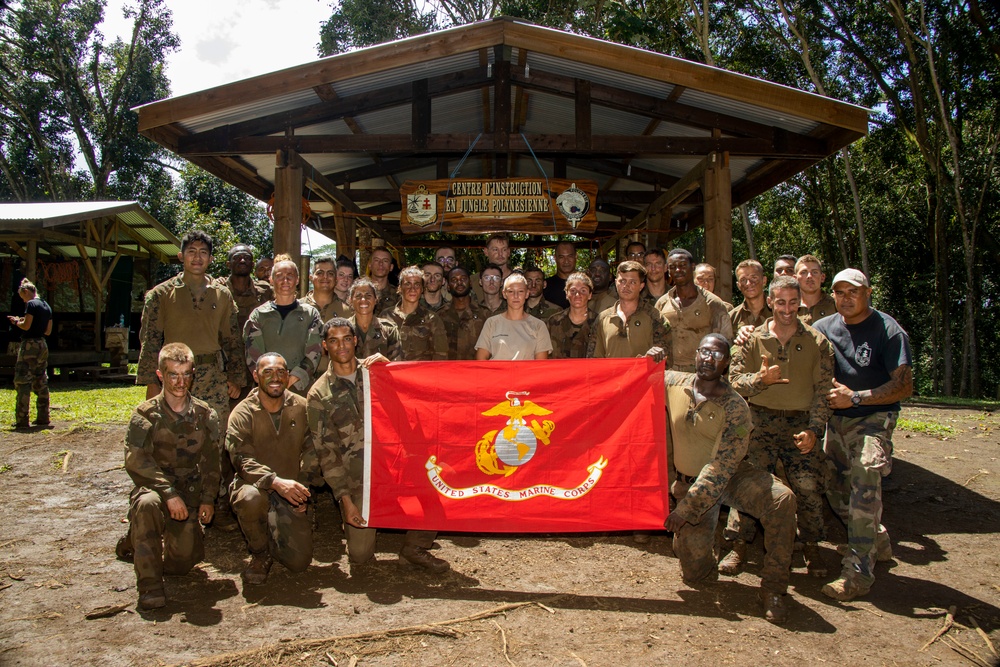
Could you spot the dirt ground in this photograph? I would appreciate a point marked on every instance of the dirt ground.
(527, 600)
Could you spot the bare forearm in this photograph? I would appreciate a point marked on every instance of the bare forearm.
(899, 386)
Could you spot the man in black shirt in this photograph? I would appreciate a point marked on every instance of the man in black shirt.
(30, 370)
(873, 373)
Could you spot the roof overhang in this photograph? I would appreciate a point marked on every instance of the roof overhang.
(503, 99)
(74, 230)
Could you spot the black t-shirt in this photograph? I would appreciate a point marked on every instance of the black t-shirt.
(40, 316)
(286, 309)
(555, 291)
(866, 355)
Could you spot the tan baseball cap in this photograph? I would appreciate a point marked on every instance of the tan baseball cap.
(852, 276)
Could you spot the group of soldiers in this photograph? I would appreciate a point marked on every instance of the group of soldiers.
(772, 405)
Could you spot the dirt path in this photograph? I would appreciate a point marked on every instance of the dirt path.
(533, 600)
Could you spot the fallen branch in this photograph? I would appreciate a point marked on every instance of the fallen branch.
(120, 466)
(105, 612)
(986, 637)
(965, 651)
(331, 659)
(302, 644)
(65, 463)
(949, 620)
(971, 479)
(10, 542)
(503, 645)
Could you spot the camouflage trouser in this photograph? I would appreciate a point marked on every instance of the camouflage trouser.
(270, 523)
(161, 544)
(770, 442)
(30, 375)
(210, 385)
(760, 495)
(361, 541)
(859, 455)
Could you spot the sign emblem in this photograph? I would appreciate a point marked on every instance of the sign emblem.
(573, 203)
(501, 452)
(421, 207)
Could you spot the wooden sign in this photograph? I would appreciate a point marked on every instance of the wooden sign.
(479, 206)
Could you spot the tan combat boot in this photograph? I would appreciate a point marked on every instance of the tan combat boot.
(734, 561)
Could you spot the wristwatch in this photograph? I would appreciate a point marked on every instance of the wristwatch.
(855, 399)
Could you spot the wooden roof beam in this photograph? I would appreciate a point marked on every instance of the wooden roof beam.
(503, 142)
(676, 194)
(338, 109)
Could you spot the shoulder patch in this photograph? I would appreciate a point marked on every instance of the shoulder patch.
(742, 431)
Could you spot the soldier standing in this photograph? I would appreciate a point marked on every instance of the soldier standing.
(815, 303)
(337, 421)
(571, 329)
(248, 293)
(554, 291)
(421, 332)
(323, 296)
(272, 450)
(287, 326)
(191, 309)
(491, 287)
(379, 267)
(172, 456)
(784, 266)
(463, 319)
(537, 305)
(690, 311)
(31, 367)
(630, 328)
(873, 373)
(435, 296)
(656, 275)
(375, 334)
(604, 295)
(751, 282)
(497, 251)
(787, 398)
(709, 435)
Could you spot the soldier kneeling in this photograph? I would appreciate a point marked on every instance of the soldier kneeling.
(172, 456)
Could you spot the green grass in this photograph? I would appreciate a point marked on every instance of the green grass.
(89, 404)
(5, 468)
(927, 427)
(954, 401)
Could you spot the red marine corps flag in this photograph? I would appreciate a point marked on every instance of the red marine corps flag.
(516, 446)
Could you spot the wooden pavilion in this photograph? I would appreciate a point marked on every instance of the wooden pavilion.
(667, 144)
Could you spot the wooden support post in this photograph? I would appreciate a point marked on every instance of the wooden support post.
(346, 233)
(501, 111)
(33, 261)
(287, 207)
(717, 189)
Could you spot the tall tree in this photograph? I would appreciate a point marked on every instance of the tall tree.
(62, 85)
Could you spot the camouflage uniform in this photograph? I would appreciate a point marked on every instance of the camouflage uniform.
(570, 341)
(782, 410)
(337, 421)
(825, 307)
(261, 452)
(382, 336)
(688, 325)
(336, 308)
(30, 369)
(208, 325)
(463, 328)
(31, 375)
(169, 455)
(385, 299)
(439, 306)
(543, 310)
(601, 302)
(489, 312)
(422, 334)
(706, 468)
(741, 316)
(858, 443)
(259, 292)
(297, 337)
(613, 338)
(858, 455)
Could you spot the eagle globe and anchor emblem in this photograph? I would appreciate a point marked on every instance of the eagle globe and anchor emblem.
(503, 451)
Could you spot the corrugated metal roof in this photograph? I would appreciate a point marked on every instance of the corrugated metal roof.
(33, 220)
(624, 71)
